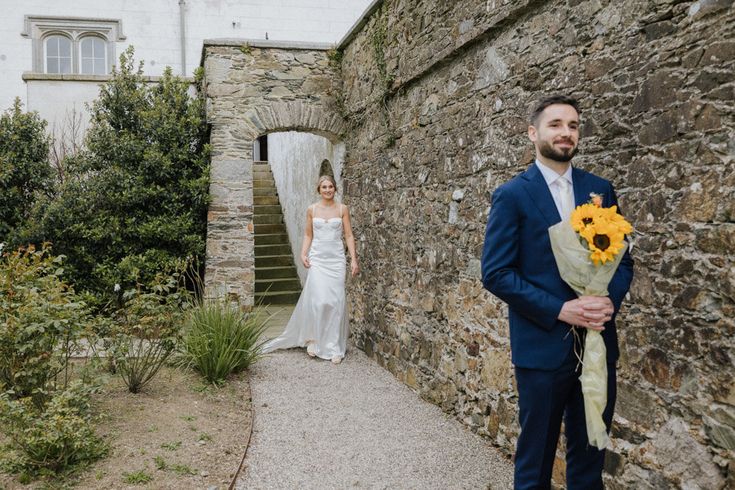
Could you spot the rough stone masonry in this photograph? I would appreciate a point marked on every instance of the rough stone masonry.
(430, 98)
(436, 94)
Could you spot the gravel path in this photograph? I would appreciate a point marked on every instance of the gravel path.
(354, 425)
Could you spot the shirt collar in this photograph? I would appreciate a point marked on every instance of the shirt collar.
(550, 176)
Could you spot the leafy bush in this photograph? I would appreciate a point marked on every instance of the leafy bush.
(51, 439)
(41, 320)
(220, 339)
(145, 330)
(24, 165)
(134, 202)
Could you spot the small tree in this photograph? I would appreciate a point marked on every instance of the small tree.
(134, 202)
(24, 165)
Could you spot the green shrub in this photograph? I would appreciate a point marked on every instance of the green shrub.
(220, 339)
(41, 321)
(51, 439)
(24, 167)
(134, 201)
(145, 330)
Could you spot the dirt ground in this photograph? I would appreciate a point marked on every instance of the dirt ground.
(179, 433)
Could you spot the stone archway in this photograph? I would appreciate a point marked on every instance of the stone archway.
(254, 88)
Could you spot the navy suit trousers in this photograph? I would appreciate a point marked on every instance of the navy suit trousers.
(544, 398)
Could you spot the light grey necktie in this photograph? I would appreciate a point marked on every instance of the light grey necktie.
(566, 198)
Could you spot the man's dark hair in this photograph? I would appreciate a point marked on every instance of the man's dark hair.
(547, 101)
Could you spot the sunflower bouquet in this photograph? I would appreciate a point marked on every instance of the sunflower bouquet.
(588, 248)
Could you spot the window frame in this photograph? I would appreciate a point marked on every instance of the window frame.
(40, 28)
(58, 57)
(93, 37)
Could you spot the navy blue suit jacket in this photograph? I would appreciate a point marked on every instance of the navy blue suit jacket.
(518, 267)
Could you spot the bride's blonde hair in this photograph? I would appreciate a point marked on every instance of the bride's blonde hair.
(322, 179)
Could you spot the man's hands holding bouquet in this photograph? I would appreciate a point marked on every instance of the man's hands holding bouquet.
(588, 311)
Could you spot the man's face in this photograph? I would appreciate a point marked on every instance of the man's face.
(556, 133)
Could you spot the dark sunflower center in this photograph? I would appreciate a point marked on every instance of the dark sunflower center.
(601, 241)
(587, 221)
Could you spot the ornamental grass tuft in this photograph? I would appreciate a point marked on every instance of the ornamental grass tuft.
(220, 339)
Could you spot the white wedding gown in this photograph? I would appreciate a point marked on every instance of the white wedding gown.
(320, 315)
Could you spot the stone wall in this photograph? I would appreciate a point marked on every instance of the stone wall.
(437, 93)
(255, 88)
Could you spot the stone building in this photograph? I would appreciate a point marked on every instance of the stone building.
(430, 99)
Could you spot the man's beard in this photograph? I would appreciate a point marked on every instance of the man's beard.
(547, 150)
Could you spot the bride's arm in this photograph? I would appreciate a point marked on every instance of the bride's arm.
(350, 241)
(308, 236)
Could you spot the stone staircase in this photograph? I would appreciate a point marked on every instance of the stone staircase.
(276, 279)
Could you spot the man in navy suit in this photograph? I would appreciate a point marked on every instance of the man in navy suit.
(518, 266)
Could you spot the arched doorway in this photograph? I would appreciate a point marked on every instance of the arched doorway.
(255, 89)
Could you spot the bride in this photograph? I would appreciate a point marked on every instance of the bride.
(319, 321)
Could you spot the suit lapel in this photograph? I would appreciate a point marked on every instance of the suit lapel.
(581, 189)
(540, 194)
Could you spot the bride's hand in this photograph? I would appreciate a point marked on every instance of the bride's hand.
(355, 268)
(305, 261)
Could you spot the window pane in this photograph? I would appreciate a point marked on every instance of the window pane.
(87, 48)
(52, 46)
(64, 46)
(87, 65)
(65, 65)
(100, 67)
(99, 48)
(52, 65)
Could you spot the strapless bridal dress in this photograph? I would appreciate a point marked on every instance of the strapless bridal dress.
(320, 316)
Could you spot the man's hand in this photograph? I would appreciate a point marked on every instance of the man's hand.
(587, 311)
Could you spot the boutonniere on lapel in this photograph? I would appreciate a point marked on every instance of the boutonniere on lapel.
(588, 248)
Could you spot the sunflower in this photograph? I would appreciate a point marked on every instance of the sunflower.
(605, 241)
(611, 214)
(584, 216)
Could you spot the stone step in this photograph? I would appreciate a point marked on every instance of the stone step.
(281, 284)
(275, 272)
(270, 228)
(262, 174)
(267, 219)
(262, 183)
(270, 238)
(265, 191)
(266, 209)
(277, 298)
(265, 200)
(273, 261)
(272, 249)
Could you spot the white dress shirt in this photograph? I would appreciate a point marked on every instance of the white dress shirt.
(552, 180)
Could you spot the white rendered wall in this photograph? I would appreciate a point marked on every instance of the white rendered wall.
(59, 111)
(295, 159)
(154, 28)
